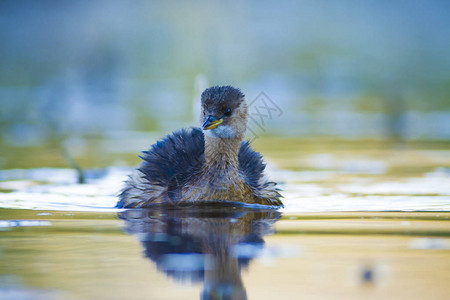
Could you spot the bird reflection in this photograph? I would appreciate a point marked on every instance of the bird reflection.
(203, 244)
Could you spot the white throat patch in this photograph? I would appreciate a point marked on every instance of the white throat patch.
(222, 131)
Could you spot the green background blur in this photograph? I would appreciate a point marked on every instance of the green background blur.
(345, 69)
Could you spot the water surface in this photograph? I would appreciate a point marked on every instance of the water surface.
(179, 255)
(361, 220)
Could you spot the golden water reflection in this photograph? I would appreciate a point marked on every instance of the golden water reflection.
(336, 255)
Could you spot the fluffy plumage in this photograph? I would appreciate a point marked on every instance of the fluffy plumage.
(179, 158)
(187, 167)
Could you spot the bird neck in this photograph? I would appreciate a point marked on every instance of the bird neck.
(222, 153)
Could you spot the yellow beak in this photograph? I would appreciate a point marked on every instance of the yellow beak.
(211, 123)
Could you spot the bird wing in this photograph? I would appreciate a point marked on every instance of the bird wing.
(166, 167)
(177, 155)
(252, 165)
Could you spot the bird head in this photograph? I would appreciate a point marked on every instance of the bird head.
(224, 112)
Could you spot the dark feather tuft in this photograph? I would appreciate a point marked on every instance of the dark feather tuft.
(172, 160)
(252, 164)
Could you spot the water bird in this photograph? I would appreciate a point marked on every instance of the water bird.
(204, 165)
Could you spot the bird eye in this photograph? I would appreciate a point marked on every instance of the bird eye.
(227, 112)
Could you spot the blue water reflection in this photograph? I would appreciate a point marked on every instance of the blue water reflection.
(203, 244)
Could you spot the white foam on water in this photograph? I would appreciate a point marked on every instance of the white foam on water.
(306, 191)
(23, 223)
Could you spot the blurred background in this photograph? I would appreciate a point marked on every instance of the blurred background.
(76, 71)
(350, 104)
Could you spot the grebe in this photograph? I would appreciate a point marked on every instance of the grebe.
(203, 165)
